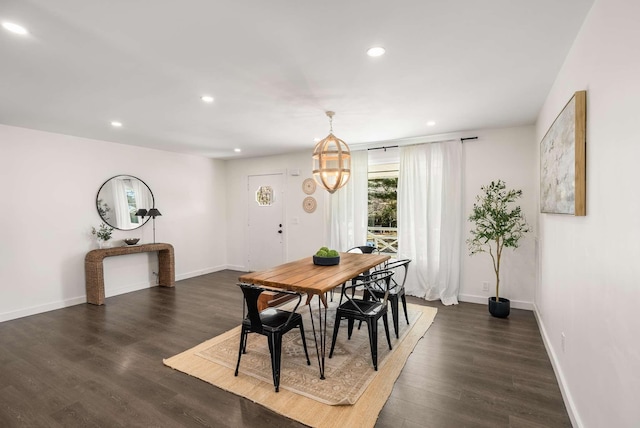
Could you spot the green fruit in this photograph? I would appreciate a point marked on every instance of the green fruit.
(324, 248)
(333, 253)
(322, 253)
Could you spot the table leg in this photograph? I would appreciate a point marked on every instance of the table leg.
(322, 326)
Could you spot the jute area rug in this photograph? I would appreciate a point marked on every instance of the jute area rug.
(352, 393)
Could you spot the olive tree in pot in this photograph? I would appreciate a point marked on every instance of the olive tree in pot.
(497, 224)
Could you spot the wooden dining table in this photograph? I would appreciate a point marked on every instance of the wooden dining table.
(305, 277)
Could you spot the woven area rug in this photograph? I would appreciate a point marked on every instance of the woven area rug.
(352, 393)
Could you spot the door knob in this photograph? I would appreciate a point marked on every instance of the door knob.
(280, 231)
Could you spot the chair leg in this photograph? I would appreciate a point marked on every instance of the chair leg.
(304, 343)
(336, 327)
(350, 321)
(385, 320)
(365, 296)
(404, 304)
(372, 326)
(275, 348)
(242, 346)
(394, 314)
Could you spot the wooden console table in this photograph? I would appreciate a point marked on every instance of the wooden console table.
(94, 271)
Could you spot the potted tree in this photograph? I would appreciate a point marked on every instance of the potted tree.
(497, 224)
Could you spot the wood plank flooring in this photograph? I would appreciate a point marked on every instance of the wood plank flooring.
(101, 366)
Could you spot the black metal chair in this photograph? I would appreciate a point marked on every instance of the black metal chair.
(271, 322)
(369, 310)
(396, 291)
(364, 249)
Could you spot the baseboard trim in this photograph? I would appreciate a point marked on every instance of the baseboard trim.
(200, 272)
(516, 304)
(237, 267)
(129, 289)
(34, 310)
(52, 306)
(564, 390)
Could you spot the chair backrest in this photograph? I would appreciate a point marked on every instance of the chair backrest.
(396, 264)
(376, 281)
(251, 296)
(362, 249)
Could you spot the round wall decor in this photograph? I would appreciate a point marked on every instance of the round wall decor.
(309, 204)
(309, 186)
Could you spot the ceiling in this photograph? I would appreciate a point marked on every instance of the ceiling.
(274, 68)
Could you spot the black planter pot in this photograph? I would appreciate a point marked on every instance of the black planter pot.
(499, 309)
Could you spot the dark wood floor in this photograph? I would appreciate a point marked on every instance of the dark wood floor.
(101, 366)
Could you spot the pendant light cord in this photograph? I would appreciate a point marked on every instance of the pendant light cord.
(330, 116)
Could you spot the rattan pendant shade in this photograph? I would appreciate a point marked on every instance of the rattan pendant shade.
(331, 162)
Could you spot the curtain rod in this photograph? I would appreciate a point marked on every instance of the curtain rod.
(383, 148)
(462, 140)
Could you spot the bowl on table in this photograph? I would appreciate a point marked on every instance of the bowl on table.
(131, 241)
(326, 261)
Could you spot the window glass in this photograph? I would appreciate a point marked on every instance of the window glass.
(383, 199)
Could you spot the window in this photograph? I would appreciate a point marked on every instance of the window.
(131, 202)
(383, 199)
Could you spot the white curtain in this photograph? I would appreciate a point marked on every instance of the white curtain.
(143, 198)
(120, 204)
(348, 207)
(143, 195)
(430, 219)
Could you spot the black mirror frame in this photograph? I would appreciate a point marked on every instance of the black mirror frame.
(145, 220)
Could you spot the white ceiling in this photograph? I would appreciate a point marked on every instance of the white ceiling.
(274, 68)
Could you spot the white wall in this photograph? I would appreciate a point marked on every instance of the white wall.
(506, 154)
(303, 238)
(590, 271)
(48, 185)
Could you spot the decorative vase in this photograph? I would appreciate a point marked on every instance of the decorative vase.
(103, 243)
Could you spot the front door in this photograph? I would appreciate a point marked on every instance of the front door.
(265, 197)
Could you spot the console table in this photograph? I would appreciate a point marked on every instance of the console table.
(94, 271)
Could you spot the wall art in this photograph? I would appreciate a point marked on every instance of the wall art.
(563, 160)
(309, 204)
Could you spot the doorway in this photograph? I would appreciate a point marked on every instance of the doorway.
(265, 198)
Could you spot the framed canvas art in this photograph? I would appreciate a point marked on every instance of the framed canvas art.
(563, 160)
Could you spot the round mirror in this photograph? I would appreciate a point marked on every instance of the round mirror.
(120, 197)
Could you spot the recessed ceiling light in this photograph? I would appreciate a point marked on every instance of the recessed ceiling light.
(376, 51)
(237, 150)
(431, 123)
(14, 28)
(207, 98)
(116, 124)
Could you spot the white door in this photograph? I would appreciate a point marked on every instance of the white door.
(265, 197)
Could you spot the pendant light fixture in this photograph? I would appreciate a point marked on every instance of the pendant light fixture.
(331, 161)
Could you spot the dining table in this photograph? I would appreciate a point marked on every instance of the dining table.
(315, 280)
